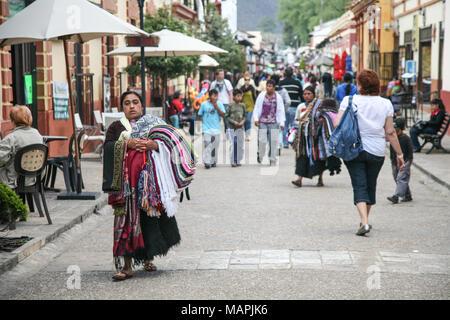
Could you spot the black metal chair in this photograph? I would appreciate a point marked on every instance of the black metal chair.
(66, 164)
(436, 139)
(29, 162)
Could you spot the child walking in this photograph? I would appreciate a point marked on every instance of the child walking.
(402, 177)
(236, 116)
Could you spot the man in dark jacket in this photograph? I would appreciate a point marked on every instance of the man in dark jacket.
(432, 126)
(295, 90)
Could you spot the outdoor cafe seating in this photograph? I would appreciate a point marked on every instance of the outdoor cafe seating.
(30, 161)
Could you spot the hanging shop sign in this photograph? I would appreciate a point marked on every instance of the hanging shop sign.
(61, 100)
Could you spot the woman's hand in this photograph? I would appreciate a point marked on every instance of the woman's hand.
(132, 144)
(146, 145)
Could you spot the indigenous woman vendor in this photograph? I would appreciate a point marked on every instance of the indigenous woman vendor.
(138, 236)
(315, 128)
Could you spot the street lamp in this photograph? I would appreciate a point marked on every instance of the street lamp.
(141, 18)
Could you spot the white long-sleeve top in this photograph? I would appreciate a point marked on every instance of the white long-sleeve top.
(281, 117)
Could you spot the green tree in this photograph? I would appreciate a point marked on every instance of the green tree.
(266, 24)
(300, 16)
(176, 66)
(218, 34)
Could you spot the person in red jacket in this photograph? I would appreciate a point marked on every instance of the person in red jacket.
(176, 106)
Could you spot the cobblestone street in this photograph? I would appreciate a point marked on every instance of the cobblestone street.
(248, 233)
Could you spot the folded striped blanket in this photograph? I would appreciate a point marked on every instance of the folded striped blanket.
(173, 169)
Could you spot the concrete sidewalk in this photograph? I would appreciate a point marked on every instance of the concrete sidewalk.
(65, 214)
(436, 165)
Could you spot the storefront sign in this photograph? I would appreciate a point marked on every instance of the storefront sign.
(61, 100)
(28, 85)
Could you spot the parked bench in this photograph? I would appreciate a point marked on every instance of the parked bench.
(436, 138)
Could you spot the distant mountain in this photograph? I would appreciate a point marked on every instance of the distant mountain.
(250, 12)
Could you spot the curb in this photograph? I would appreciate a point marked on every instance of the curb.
(432, 176)
(32, 246)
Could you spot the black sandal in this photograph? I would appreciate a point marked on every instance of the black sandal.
(150, 267)
(296, 183)
(116, 277)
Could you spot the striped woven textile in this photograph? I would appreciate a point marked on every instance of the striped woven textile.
(183, 157)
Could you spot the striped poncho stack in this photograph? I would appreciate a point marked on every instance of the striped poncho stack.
(166, 172)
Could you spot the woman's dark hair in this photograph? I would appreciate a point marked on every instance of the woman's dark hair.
(348, 78)
(439, 103)
(369, 82)
(310, 89)
(123, 96)
(213, 92)
(271, 82)
(329, 103)
(176, 95)
(276, 79)
(299, 76)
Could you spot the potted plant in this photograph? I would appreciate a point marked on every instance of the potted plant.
(11, 207)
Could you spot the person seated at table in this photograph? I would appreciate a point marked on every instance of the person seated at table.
(432, 126)
(176, 106)
(21, 136)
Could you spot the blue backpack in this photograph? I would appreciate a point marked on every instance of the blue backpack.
(345, 141)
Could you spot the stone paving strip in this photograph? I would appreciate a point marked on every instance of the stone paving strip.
(383, 261)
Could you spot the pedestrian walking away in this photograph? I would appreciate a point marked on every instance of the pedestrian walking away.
(401, 177)
(269, 117)
(295, 91)
(286, 102)
(346, 89)
(209, 114)
(315, 128)
(138, 235)
(236, 116)
(375, 120)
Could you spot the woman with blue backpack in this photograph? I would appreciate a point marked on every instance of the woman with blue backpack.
(364, 156)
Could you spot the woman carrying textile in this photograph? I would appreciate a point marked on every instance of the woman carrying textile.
(138, 236)
(315, 128)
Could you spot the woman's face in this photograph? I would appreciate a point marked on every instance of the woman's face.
(132, 107)
(270, 88)
(308, 96)
(434, 107)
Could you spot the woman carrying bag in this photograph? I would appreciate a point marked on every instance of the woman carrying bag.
(374, 115)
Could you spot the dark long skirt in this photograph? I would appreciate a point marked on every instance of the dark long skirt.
(304, 169)
(160, 234)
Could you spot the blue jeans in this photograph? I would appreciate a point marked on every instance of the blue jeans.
(364, 171)
(175, 121)
(248, 123)
(268, 135)
(414, 133)
(290, 117)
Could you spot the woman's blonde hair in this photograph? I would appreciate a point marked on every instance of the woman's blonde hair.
(21, 116)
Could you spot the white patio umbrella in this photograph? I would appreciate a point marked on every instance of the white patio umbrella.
(206, 61)
(171, 44)
(67, 20)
